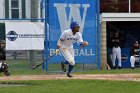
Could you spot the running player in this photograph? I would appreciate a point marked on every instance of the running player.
(65, 45)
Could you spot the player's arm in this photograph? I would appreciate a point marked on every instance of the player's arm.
(60, 42)
(84, 44)
(80, 41)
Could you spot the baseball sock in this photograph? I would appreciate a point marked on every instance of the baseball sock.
(66, 62)
(70, 69)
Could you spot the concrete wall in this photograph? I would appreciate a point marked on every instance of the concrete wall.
(103, 45)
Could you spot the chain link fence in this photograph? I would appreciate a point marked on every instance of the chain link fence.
(18, 59)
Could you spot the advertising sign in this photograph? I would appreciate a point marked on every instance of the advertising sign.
(24, 36)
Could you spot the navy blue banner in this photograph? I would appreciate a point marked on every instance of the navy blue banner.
(61, 13)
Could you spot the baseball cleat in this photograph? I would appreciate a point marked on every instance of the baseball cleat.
(114, 67)
(70, 76)
(132, 67)
(63, 66)
(119, 67)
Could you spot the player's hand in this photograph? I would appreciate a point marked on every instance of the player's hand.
(85, 43)
(57, 51)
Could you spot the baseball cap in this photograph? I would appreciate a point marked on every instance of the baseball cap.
(74, 24)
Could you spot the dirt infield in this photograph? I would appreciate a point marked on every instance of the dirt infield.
(120, 77)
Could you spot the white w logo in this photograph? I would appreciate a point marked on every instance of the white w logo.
(74, 14)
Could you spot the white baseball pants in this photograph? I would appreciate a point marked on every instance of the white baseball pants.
(116, 53)
(133, 59)
(68, 54)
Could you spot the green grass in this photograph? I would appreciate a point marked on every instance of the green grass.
(40, 71)
(21, 67)
(73, 86)
(116, 71)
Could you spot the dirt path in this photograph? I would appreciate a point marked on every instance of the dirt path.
(120, 77)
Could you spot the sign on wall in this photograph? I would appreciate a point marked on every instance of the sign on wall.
(24, 36)
(62, 13)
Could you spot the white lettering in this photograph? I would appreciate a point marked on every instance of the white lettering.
(74, 14)
(86, 52)
(77, 52)
(52, 51)
(91, 52)
(81, 52)
(12, 35)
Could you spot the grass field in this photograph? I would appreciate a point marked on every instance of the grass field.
(21, 67)
(72, 86)
(68, 85)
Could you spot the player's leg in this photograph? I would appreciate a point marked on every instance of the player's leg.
(71, 63)
(132, 61)
(69, 70)
(119, 57)
(1, 67)
(68, 54)
(113, 57)
(70, 60)
(63, 65)
(66, 62)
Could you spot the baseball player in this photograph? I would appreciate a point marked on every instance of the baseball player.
(116, 51)
(65, 45)
(2, 51)
(134, 52)
(3, 65)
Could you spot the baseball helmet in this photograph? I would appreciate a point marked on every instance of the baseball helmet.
(74, 24)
